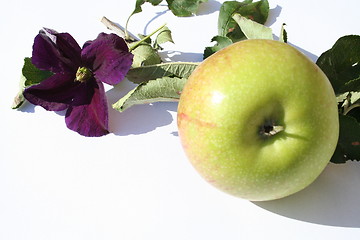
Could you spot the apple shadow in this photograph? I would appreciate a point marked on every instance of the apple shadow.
(333, 199)
(310, 55)
(272, 18)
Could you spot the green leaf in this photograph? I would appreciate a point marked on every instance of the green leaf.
(341, 64)
(256, 11)
(348, 147)
(221, 42)
(145, 54)
(252, 29)
(166, 89)
(31, 75)
(173, 69)
(163, 37)
(184, 8)
(180, 8)
(227, 27)
(225, 20)
(141, 2)
(145, 38)
(283, 34)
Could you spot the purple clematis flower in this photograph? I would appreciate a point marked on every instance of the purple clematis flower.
(79, 73)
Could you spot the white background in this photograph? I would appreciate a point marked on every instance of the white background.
(136, 183)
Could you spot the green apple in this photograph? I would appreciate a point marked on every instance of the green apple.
(258, 120)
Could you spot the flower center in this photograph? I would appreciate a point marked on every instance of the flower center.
(83, 74)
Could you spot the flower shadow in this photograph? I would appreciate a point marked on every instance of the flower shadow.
(138, 119)
(27, 107)
(332, 199)
(310, 55)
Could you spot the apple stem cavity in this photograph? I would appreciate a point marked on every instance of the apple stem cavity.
(270, 129)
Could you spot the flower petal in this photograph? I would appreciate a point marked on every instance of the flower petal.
(54, 93)
(90, 120)
(56, 52)
(109, 58)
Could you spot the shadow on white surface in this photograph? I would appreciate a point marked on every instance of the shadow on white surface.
(333, 199)
(178, 56)
(205, 8)
(141, 119)
(209, 7)
(158, 14)
(138, 119)
(310, 55)
(273, 15)
(27, 107)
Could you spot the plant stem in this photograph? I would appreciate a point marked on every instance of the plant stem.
(145, 38)
(269, 130)
(126, 27)
(118, 29)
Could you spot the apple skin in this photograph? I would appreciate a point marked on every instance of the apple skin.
(236, 93)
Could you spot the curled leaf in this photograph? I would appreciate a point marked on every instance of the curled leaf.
(163, 37)
(19, 99)
(228, 30)
(166, 89)
(252, 29)
(256, 11)
(145, 54)
(174, 69)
